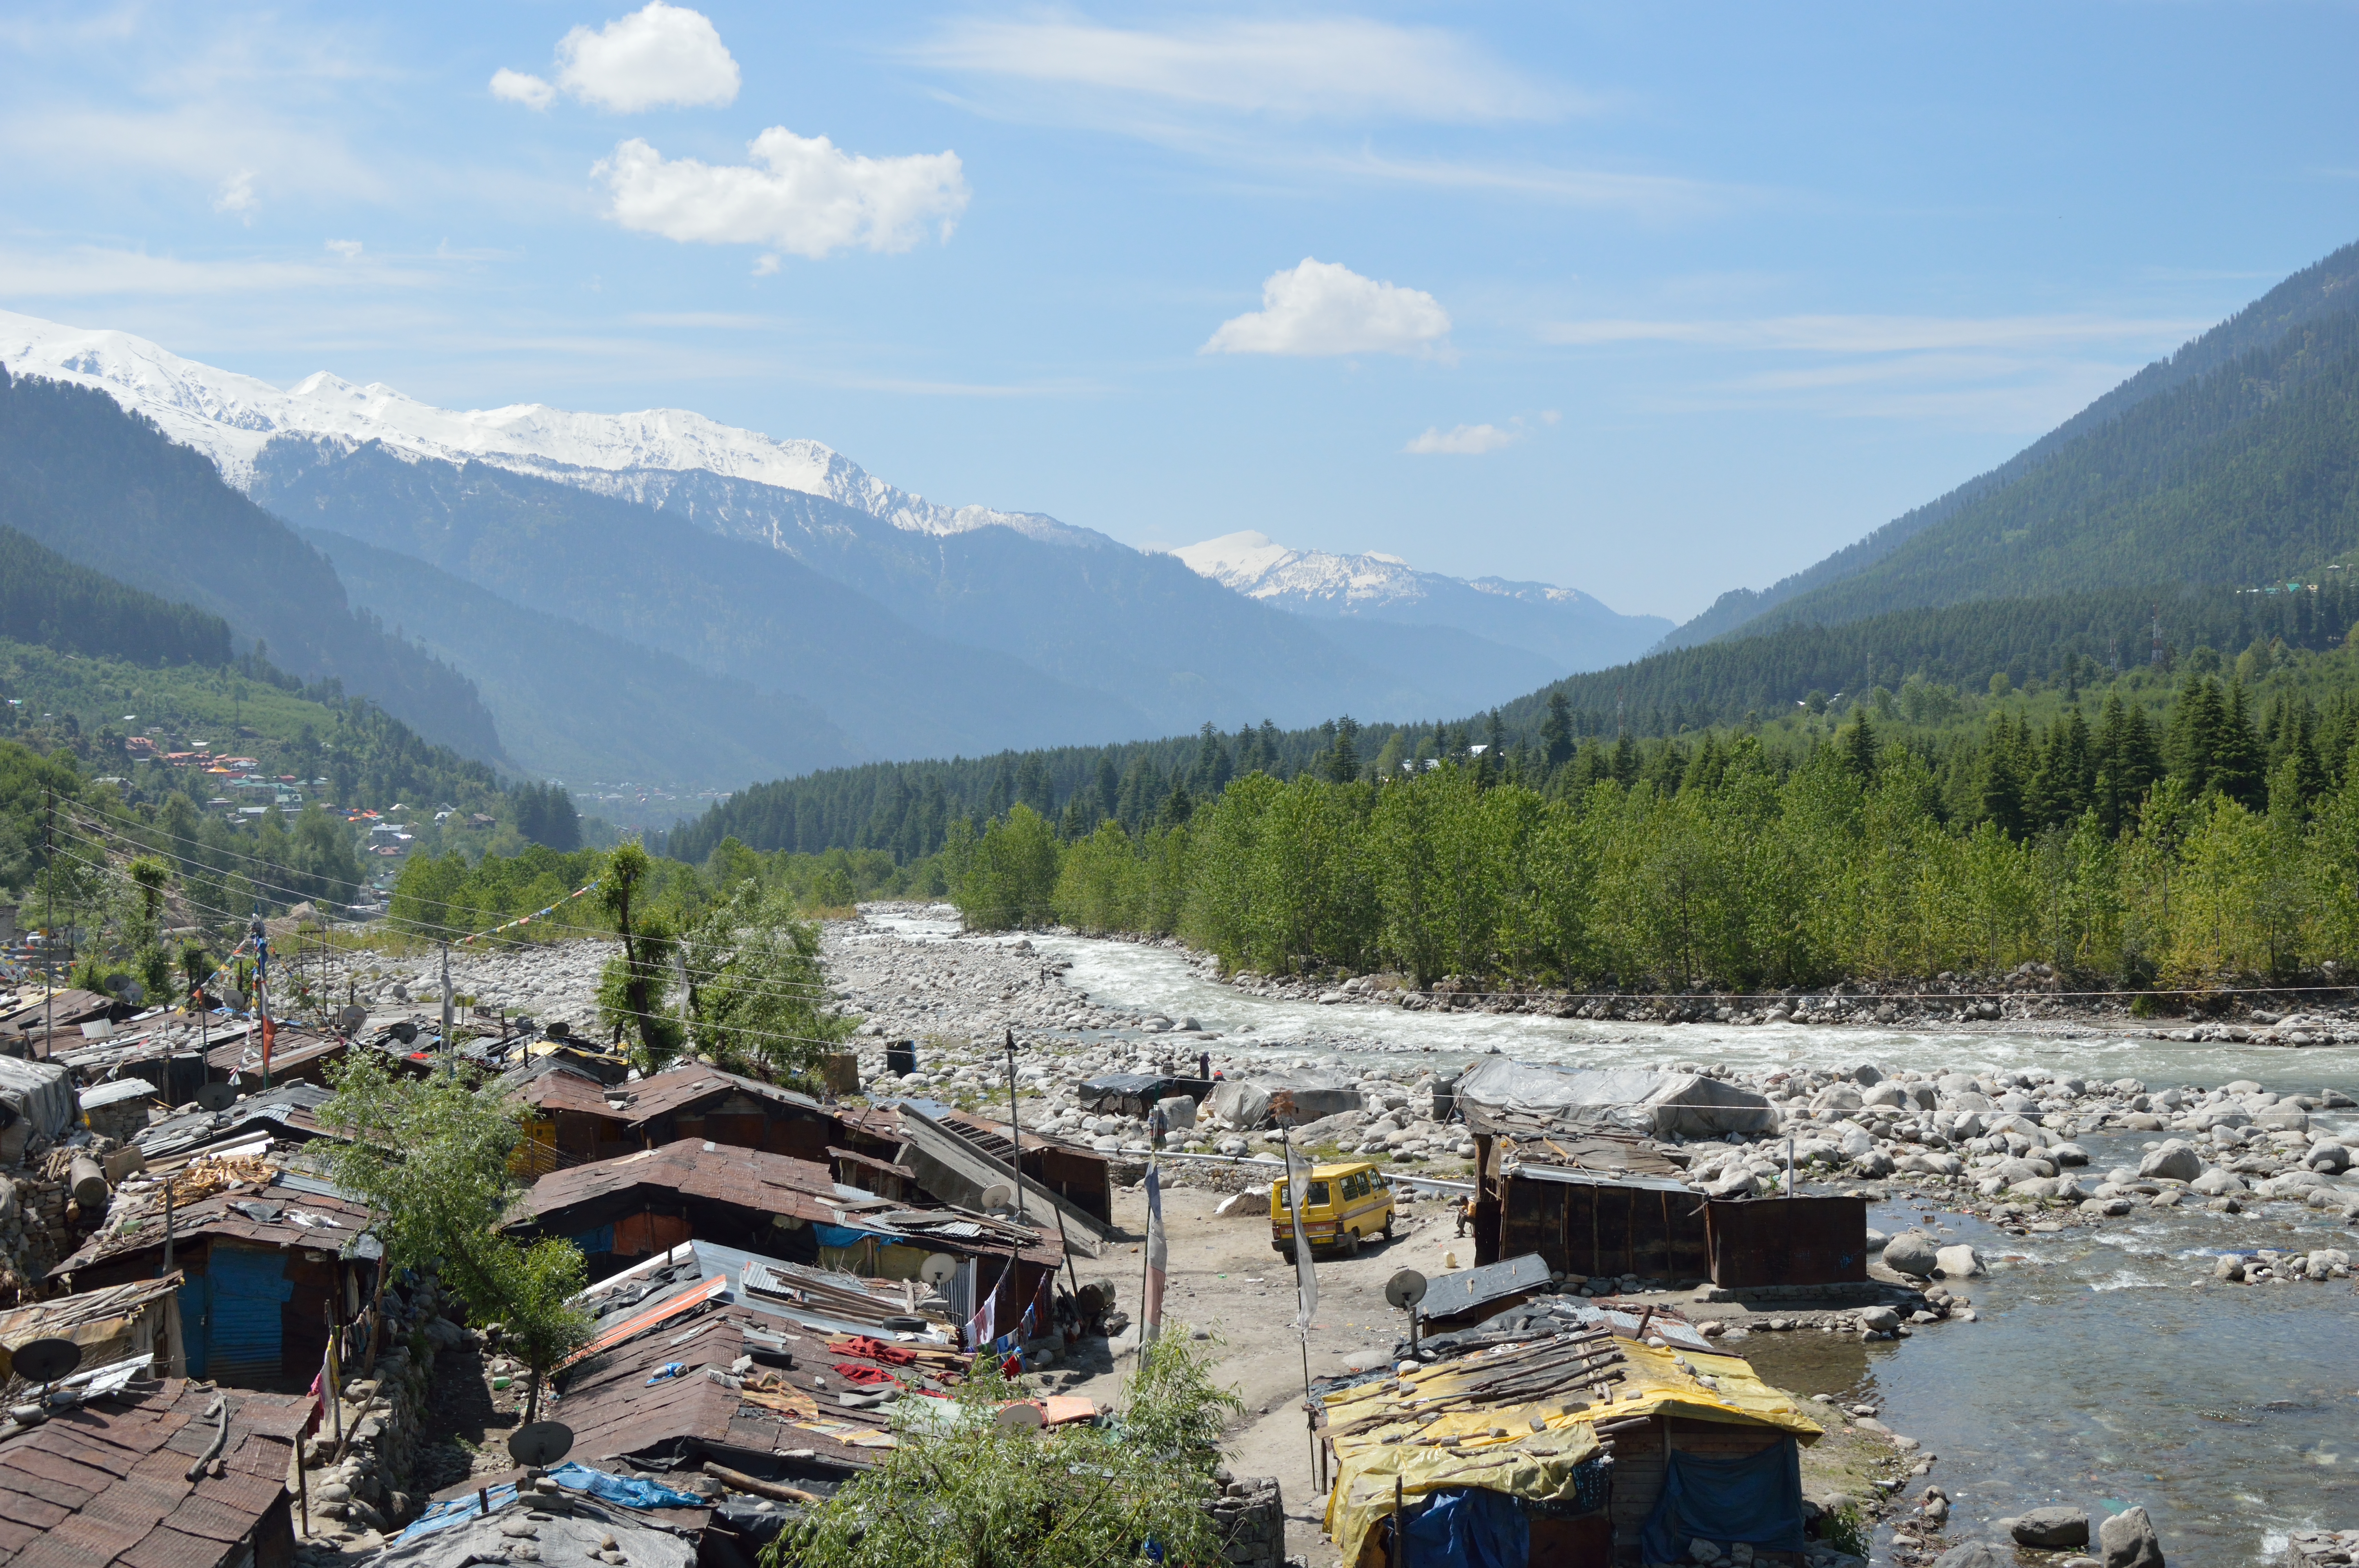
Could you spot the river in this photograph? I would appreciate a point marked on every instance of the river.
(2100, 1373)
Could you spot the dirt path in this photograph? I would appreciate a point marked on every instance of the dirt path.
(1226, 1280)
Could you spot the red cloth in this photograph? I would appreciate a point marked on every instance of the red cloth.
(867, 1377)
(875, 1350)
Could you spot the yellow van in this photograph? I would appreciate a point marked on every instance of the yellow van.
(1343, 1204)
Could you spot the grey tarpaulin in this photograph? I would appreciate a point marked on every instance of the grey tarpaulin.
(35, 1097)
(1496, 1091)
(1246, 1102)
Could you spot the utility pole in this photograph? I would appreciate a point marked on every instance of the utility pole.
(448, 1044)
(1015, 1129)
(50, 926)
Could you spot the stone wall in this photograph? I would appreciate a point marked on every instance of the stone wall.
(364, 1485)
(1251, 1520)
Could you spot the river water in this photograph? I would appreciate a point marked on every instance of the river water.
(2106, 1370)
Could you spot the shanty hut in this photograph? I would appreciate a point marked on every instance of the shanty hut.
(1565, 1170)
(959, 1158)
(577, 1117)
(140, 1317)
(269, 1257)
(270, 1122)
(123, 1479)
(1598, 1437)
(649, 1202)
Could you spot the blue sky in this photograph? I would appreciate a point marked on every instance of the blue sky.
(1653, 300)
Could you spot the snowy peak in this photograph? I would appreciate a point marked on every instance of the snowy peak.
(1562, 624)
(1259, 568)
(231, 418)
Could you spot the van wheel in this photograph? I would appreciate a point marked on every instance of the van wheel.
(1350, 1244)
(1388, 1230)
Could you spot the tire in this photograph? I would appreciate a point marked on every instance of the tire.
(1388, 1230)
(1350, 1244)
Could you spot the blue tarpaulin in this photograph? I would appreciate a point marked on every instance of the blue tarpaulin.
(1475, 1528)
(1757, 1499)
(840, 1235)
(630, 1491)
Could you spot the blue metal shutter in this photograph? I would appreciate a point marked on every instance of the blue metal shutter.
(248, 1287)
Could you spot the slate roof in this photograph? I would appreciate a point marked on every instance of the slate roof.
(106, 1483)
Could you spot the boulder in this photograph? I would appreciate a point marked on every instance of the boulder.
(1912, 1253)
(2333, 1158)
(2216, 1182)
(1881, 1319)
(2175, 1161)
(1975, 1554)
(1959, 1262)
(2051, 1529)
(2127, 1541)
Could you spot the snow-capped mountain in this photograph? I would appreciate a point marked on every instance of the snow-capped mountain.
(1563, 624)
(231, 418)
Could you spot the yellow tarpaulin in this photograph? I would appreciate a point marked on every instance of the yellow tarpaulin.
(1529, 1448)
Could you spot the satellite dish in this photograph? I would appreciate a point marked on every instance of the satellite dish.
(1405, 1289)
(406, 1031)
(541, 1445)
(46, 1360)
(999, 1194)
(351, 1018)
(936, 1268)
(1019, 1418)
(216, 1097)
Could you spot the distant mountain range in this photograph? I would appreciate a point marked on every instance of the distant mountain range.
(887, 625)
(1562, 625)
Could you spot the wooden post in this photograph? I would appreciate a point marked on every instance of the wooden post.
(1400, 1529)
(302, 1486)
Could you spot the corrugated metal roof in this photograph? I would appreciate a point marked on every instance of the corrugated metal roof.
(106, 1483)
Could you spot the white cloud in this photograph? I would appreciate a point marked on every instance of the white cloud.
(522, 87)
(1324, 308)
(1462, 440)
(1335, 68)
(236, 197)
(348, 249)
(661, 55)
(800, 194)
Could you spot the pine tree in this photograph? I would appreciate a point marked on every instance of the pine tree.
(1344, 757)
(1556, 731)
(1859, 748)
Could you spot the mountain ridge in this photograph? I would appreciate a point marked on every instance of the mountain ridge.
(2326, 287)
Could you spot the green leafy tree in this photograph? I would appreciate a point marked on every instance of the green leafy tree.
(430, 1156)
(756, 987)
(1011, 877)
(964, 1491)
(632, 987)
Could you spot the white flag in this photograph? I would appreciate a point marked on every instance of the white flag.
(1297, 1172)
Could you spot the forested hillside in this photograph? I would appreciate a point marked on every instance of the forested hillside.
(49, 599)
(2248, 361)
(107, 489)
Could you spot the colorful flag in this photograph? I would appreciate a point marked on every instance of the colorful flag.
(1306, 1276)
(1158, 1255)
